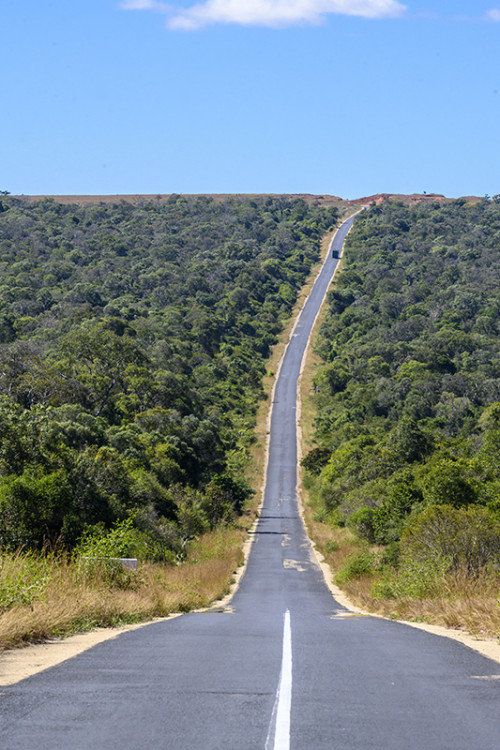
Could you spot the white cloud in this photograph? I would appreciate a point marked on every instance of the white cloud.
(272, 13)
(493, 15)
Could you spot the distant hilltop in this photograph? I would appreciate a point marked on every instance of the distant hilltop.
(327, 200)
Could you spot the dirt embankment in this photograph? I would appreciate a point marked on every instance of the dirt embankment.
(324, 200)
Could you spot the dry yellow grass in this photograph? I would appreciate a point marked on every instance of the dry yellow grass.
(459, 601)
(74, 600)
(463, 603)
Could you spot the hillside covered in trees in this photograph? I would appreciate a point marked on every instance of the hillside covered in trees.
(408, 396)
(132, 346)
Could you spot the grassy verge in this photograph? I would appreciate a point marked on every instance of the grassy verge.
(452, 599)
(415, 593)
(42, 597)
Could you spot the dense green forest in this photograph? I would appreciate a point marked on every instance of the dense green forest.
(408, 396)
(132, 348)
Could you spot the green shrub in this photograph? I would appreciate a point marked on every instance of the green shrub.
(417, 580)
(224, 497)
(123, 540)
(383, 524)
(331, 516)
(100, 551)
(447, 483)
(463, 537)
(362, 521)
(23, 579)
(314, 461)
(389, 557)
(331, 546)
(33, 508)
(356, 565)
(391, 516)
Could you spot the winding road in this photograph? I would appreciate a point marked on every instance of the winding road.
(282, 666)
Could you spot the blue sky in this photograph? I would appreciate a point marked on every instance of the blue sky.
(347, 97)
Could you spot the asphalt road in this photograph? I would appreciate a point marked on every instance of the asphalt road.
(284, 666)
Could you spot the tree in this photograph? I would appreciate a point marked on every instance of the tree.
(96, 358)
(409, 442)
(447, 483)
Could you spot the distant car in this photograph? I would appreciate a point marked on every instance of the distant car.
(335, 254)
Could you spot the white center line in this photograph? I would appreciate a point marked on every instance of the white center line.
(280, 721)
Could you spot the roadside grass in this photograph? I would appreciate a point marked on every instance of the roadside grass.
(71, 597)
(456, 599)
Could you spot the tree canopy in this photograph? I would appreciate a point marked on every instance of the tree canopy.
(408, 396)
(132, 347)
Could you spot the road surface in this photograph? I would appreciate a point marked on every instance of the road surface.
(283, 666)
